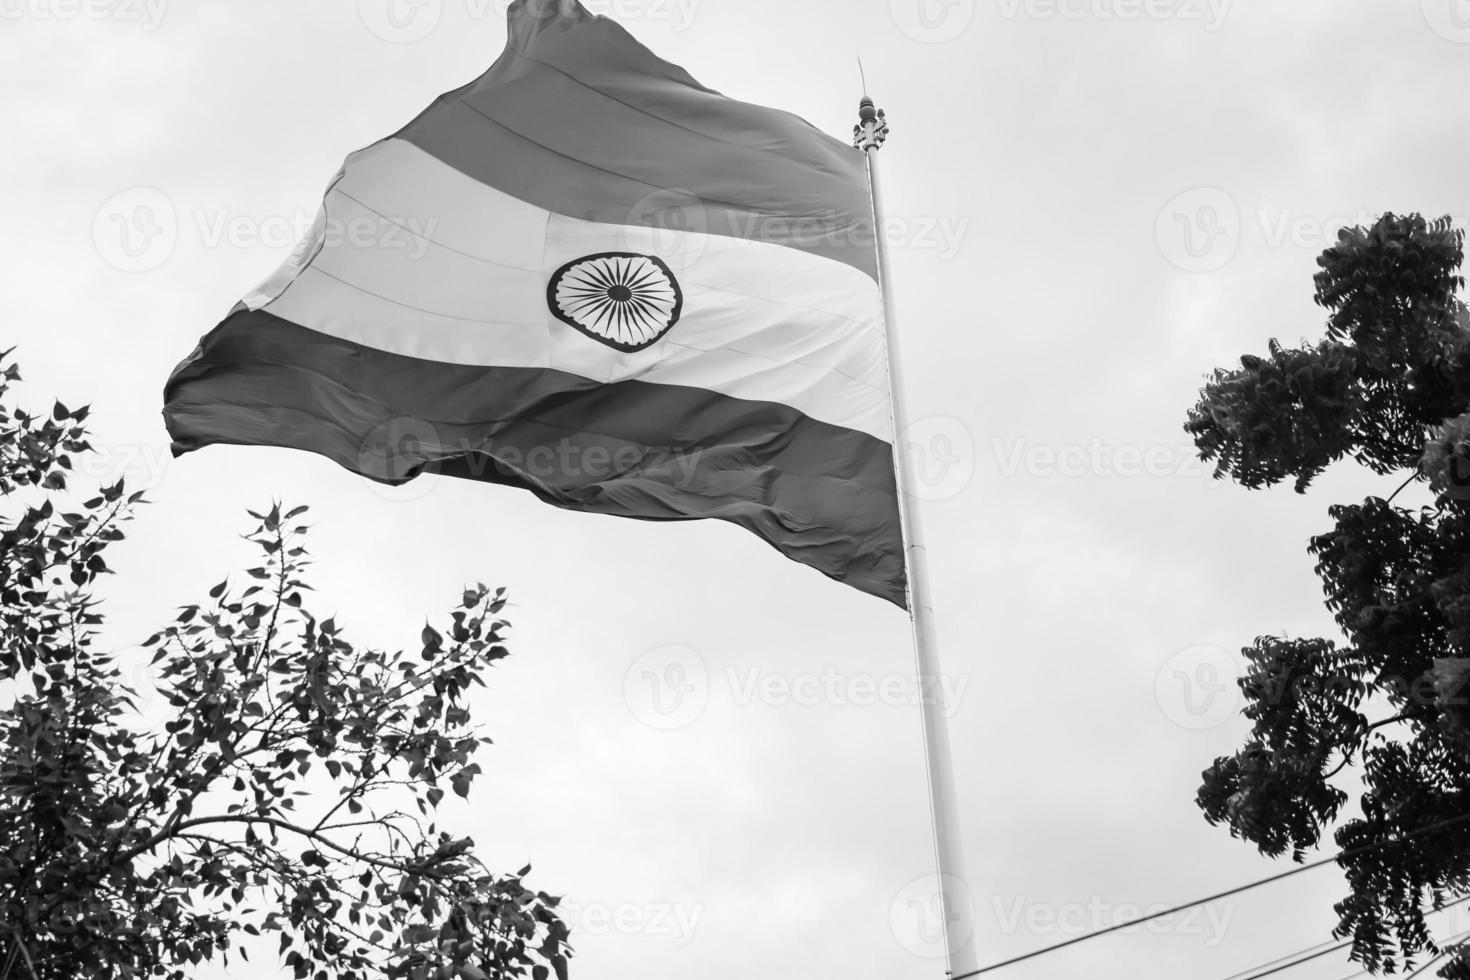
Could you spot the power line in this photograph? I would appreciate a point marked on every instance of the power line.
(1305, 959)
(1451, 942)
(1301, 869)
(1451, 948)
(1326, 947)
(1458, 939)
(1320, 950)
(1147, 918)
(1432, 961)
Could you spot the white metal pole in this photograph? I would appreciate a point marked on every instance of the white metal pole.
(958, 903)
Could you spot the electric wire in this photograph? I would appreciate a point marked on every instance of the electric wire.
(1322, 949)
(1305, 959)
(1260, 882)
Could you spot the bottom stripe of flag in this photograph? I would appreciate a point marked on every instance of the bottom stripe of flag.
(821, 494)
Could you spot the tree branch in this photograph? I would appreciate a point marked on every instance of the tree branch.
(322, 839)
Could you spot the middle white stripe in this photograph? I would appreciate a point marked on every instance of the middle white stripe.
(415, 258)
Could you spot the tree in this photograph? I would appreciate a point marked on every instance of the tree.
(292, 790)
(1389, 387)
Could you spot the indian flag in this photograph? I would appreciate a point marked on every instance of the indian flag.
(586, 275)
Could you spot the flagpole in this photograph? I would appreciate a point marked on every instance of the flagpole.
(958, 908)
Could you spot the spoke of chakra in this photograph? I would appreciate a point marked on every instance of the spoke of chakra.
(586, 303)
(646, 323)
(585, 290)
(595, 296)
(590, 290)
(653, 307)
(650, 273)
(597, 276)
(605, 312)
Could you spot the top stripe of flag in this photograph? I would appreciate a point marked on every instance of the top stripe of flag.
(579, 118)
(587, 276)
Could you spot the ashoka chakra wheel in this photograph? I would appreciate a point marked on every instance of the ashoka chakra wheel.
(624, 300)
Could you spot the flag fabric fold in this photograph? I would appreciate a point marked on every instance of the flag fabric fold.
(588, 276)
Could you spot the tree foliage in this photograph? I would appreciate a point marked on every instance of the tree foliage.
(1389, 387)
(290, 791)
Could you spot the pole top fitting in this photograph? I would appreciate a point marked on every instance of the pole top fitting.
(872, 130)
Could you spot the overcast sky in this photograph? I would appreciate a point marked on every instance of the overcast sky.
(1093, 203)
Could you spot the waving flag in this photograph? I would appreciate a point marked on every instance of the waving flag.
(586, 275)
